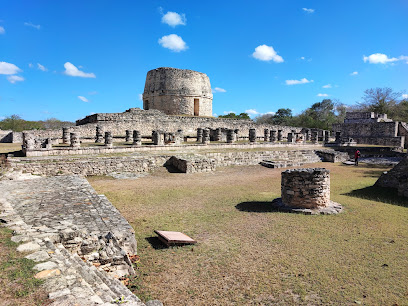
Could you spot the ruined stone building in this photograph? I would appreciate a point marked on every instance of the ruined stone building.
(372, 128)
(178, 92)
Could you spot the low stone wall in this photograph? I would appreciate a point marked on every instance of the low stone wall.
(332, 156)
(192, 164)
(140, 164)
(306, 188)
(10, 137)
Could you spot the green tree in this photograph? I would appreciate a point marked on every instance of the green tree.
(235, 116)
(381, 100)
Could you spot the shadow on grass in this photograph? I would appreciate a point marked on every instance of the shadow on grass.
(381, 194)
(256, 207)
(156, 243)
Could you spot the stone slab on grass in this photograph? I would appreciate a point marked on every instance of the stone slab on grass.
(174, 238)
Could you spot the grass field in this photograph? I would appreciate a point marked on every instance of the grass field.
(249, 255)
(9, 147)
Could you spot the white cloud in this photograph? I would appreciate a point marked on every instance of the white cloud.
(226, 113)
(7, 68)
(2, 30)
(322, 95)
(302, 57)
(82, 98)
(327, 86)
(14, 78)
(251, 111)
(218, 89)
(296, 82)
(71, 70)
(405, 96)
(267, 53)
(308, 10)
(141, 97)
(41, 67)
(173, 42)
(174, 19)
(354, 73)
(215, 115)
(35, 26)
(379, 58)
(30, 65)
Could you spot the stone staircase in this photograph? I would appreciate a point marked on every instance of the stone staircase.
(293, 159)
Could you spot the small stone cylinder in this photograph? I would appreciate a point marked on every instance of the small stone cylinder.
(206, 136)
(230, 136)
(280, 135)
(236, 133)
(306, 188)
(315, 138)
(326, 136)
(128, 137)
(65, 135)
(252, 135)
(74, 139)
(273, 136)
(99, 135)
(158, 138)
(217, 134)
(137, 139)
(266, 135)
(199, 135)
(48, 144)
(108, 139)
(307, 135)
(290, 137)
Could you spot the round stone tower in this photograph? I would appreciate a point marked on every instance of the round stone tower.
(178, 92)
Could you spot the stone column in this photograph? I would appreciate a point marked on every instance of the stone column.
(315, 137)
(230, 136)
(75, 142)
(290, 137)
(266, 135)
(128, 136)
(279, 135)
(217, 136)
(48, 144)
(137, 139)
(199, 135)
(108, 139)
(206, 136)
(158, 138)
(326, 136)
(273, 136)
(252, 135)
(65, 135)
(338, 137)
(99, 135)
(236, 132)
(179, 137)
(308, 135)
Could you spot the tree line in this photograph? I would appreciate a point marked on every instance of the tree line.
(18, 124)
(323, 114)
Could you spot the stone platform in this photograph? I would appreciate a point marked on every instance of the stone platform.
(82, 242)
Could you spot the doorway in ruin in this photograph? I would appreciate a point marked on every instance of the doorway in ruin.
(146, 104)
(196, 107)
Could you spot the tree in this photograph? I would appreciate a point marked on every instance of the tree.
(282, 116)
(235, 116)
(381, 100)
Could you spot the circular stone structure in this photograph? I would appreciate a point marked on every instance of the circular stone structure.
(306, 190)
(178, 92)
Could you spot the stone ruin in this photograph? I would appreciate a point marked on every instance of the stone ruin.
(306, 190)
(397, 178)
(370, 128)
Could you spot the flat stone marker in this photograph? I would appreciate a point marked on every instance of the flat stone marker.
(174, 238)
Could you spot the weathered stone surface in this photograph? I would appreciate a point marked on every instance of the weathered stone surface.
(28, 247)
(178, 91)
(47, 273)
(397, 178)
(48, 265)
(38, 256)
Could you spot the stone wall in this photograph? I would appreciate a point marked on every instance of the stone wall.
(306, 188)
(10, 137)
(176, 91)
(140, 164)
(191, 164)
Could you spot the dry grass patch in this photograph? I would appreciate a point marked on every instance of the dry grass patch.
(248, 254)
(9, 147)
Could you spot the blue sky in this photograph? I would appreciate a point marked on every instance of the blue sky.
(68, 59)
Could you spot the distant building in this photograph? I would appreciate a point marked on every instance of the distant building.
(371, 128)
